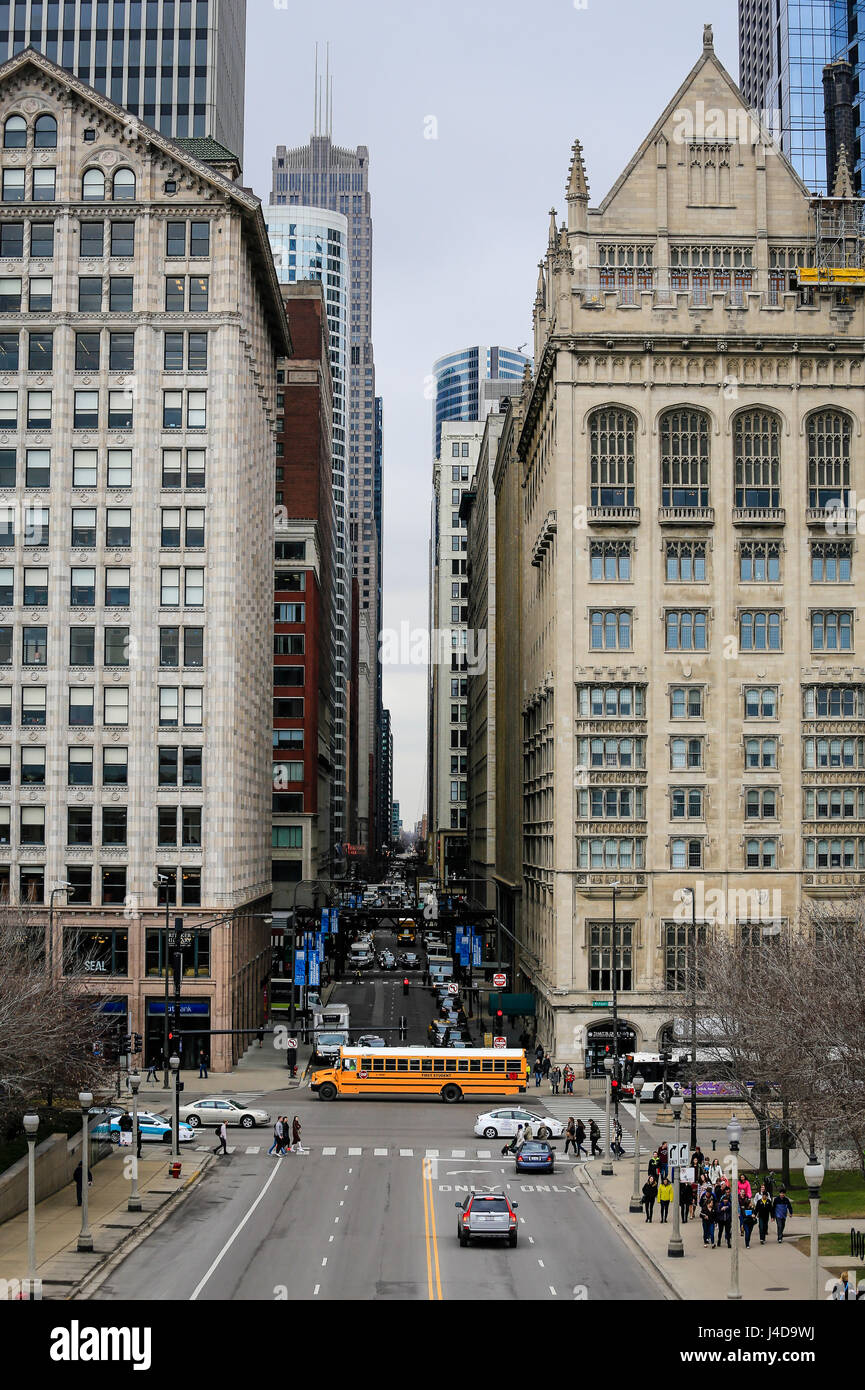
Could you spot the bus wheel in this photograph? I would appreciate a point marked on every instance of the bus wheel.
(451, 1093)
(327, 1091)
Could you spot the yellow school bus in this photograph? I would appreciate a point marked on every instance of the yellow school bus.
(449, 1072)
(405, 932)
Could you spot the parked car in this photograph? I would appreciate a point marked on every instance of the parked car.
(222, 1110)
(486, 1214)
(409, 960)
(153, 1128)
(504, 1122)
(537, 1156)
(370, 1040)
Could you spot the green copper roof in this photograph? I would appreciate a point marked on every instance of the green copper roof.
(205, 149)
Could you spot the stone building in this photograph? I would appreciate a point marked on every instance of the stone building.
(693, 700)
(140, 321)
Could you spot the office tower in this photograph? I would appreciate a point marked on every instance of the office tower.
(140, 336)
(385, 764)
(177, 64)
(468, 384)
(691, 693)
(303, 601)
(784, 46)
(310, 243)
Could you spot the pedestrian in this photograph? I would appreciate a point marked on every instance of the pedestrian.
(707, 1216)
(538, 1073)
(260, 1036)
(580, 1134)
(528, 1132)
(569, 1080)
(713, 1171)
(650, 1193)
(221, 1139)
(665, 1197)
(763, 1211)
(769, 1183)
(844, 1290)
(556, 1079)
(594, 1138)
(782, 1207)
(697, 1162)
(686, 1198)
(544, 1131)
(749, 1221)
(151, 1072)
(124, 1124)
(516, 1143)
(545, 1067)
(296, 1129)
(743, 1192)
(653, 1169)
(616, 1143)
(539, 1053)
(202, 1064)
(663, 1160)
(724, 1212)
(276, 1146)
(138, 1139)
(571, 1136)
(78, 1176)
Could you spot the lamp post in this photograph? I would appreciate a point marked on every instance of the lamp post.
(693, 1020)
(60, 887)
(85, 1239)
(174, 1063)
(813, 1174)
(158, 882)
(636, 1203)
(134, 1203)
(607, 1168)
(31, 1125)
(615, 963)
(734, 1134)
(675, 1248)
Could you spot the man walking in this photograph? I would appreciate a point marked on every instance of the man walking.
(595, 1138)
(151, 1072)
(781, 1209)
(222, 1139)
(202, 1064)
(277, 1136)
(724, 1214)
(78, 1176)
(763, 1212)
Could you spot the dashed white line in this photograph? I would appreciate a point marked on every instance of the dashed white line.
(541, 1264)
(324, 1262)
(253, 1149)
(458, 1153)
(342, 1204)
(336, 1221)
(328, 1153)
(484, 1153)
(432, 1153)
(552, 1291)
(531, 1240)
(316, 1289)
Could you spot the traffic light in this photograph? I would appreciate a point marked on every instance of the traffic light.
(405, 985)
(614, 1089)
(500, 1019)
(177, 969)
(136, 1042)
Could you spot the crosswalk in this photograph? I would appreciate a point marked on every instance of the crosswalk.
(343, 1151)
(582, 1108)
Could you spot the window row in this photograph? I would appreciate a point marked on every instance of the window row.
(80, 826)
(175, 766)
(86, 410)
(685, 457)
(185, 883)
(687, 702)
(759, 562)
(760, 630)
(115, 706)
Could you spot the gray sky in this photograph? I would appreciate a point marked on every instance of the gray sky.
(460, 222)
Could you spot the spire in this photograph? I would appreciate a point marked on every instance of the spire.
(578, 186)
(541, 295)
(564, 244)
(554, 231)
(843, 186)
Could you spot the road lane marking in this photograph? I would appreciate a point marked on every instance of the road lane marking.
(484, 1153)
(541, 1264)
(324, 1262)
(552, 1291)
(432, 1153)
(316, 1289)
(353, 1152)
(458, 1153)
(328, 1152)
(233, 1237)
(432, 1252)
(381, 1153)
(406, 1153)
(253, 1149)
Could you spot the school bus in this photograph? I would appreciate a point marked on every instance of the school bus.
(405, 932)
(423, 1071)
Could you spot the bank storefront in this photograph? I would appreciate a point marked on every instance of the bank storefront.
(194, 1030)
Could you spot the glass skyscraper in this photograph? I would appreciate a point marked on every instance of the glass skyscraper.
(783, 47)
(177, 64)
(312, 244)
(464, 383)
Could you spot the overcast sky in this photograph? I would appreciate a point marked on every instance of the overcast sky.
(460, 222)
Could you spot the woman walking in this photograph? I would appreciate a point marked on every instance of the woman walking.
(707, 1216)
(581, 1137)
(571, 1136)
(763, 1212)
(296, 1128)
(665, 1197)
(650, 1193)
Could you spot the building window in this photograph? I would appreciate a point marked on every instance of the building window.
(760, 562)
(612, 752)
(612, 458)
(686, 854)
(95, 952)
(686, 753)
(611, 803)
(828, 459)
(761, 854)
(685, 562)
(115, 767)
(113, 886)
(760, 631)
(834, 702)
(686, 702)
(834, 803)
(686, 803)
(610, 630)
(761, 752)
(761, 803)
(686, 630)
(601, 956)
(610, 561)
(610, 853)
(679, 944)
(93, 186)
(761, 701)
(684, 459)
(832, 631)
(831, 562)
(757, 446)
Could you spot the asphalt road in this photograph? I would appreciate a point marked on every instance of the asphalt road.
(378, 1222)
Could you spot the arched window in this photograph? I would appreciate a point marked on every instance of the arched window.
(124, 184)
(15, 133)
(684, 459)
(611, 435)
(828, 459)
(93, 186)
(45, 133)
(757, 445)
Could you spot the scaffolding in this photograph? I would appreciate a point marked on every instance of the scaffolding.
(838, 228)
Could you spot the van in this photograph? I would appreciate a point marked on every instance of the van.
(331, 1016)
(441, 970)
(437, 951)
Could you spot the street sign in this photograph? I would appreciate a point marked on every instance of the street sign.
(453, 989)
(600, 1003)
(678, 1155)
(500, 981)
(500, 1042)
(291, 1042)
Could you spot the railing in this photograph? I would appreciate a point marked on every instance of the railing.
(686, 516)
(759, 516)
(614, 516)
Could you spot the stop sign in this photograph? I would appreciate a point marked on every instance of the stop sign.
(500, 981)
(500, 1042)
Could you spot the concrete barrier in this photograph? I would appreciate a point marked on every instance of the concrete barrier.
(56, 1160)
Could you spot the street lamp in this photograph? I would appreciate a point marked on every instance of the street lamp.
(61, 886)
(607, 1168)
(814, 1174)
(85, 1239)
(31, 1125)
(636, 1203)
(734, 1135)
(134, 1203)
(158, 882)
(675, 1248)
(692, 961)
(615, 963)
(174, 1063)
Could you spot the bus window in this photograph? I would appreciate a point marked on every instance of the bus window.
(414, 1064)
(474, 1064)
(402, 1063)
(426, 1064)
(462, 1064)
(438, 1064)
(378, 1064)
(349, 1064)
(486, 1065)
(499, 1066)
(390, 1064)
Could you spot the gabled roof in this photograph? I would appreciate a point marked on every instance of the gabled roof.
(245, 201)
(206, 149)
(706, 57)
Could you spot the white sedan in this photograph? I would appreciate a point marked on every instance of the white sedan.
(214, 1111)
(504, 1122)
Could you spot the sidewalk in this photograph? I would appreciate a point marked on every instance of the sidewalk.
(766, 1272)
(259, 1071)
(59, 1265)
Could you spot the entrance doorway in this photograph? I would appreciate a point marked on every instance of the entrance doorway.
(599, 1044)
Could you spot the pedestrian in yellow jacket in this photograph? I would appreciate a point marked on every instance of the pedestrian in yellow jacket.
(665, 1197)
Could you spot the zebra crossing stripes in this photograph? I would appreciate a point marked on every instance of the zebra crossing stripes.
(333, 1151)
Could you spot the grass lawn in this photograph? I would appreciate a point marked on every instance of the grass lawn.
(842, 1194)
(834, 1243)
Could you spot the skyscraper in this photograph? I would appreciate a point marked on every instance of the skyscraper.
(465, 384)
(783, 48)
(179, 66)
(312, 244)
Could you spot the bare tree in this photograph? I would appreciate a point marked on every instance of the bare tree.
(48, 1028)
